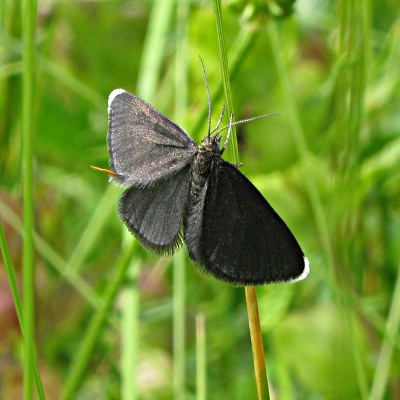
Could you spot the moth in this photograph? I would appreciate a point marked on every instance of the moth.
(182, 192)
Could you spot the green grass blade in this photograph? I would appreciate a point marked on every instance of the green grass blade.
(225, 77)
(302, 149)
(388, 346)
(150, 68)
(90, 235)
(201, 360)
(53, 258)
(130, 334)
(179, 298)
(350, 99)
(154, 48)
(241, 46)
(17, 302)
(79, 367)
(179, 276)
(29, 23)
(11, 275)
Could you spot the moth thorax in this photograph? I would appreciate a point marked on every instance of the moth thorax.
(201, 167)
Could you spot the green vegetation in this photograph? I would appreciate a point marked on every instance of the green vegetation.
(104, 318)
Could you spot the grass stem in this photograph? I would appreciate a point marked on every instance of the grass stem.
(201, 363)
(257, 343)
(179, 302)
(28, 269)
(389, 343)
(130, 334)
(251, 297)
(79, 367)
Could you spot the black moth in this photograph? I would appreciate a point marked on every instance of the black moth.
(180, 191)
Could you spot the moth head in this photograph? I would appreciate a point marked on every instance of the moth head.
(210, 144)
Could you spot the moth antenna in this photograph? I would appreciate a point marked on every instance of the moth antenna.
(243, 121)
(208, 96)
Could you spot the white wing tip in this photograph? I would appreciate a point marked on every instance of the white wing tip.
(305, 272)
(113, 95)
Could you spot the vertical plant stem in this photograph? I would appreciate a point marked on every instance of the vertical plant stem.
(181, 62)
(130, 335)
(154, 48)
(251, 297)
(201, 366)
(81, 361)
(29, 23)
(390, 341)
(179, 298)
(179, 295)
(94, 226)
(350, 98)
(17, 301)
(240, 47)
(11, 275)
(257, 343)
(48, 254)
(147, 80)
(225, 76)
(301, 145)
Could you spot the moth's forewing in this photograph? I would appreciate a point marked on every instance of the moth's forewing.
(235, 235)
(143, 144)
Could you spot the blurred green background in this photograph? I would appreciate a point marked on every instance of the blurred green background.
(114, 321)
